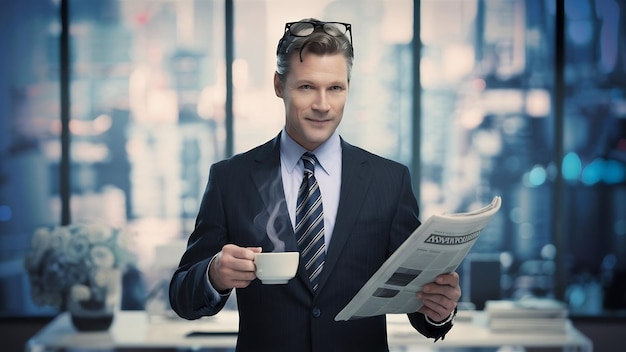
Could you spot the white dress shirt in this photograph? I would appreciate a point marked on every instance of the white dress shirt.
(327, 173)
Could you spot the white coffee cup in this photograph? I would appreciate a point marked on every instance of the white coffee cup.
(276, 267)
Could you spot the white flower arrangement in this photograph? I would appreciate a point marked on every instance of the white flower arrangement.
(75, 262)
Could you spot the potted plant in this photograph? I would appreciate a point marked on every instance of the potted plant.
(78, 268)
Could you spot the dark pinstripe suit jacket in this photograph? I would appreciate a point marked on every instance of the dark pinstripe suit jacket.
(377, 211)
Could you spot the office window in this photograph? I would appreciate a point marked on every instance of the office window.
(594, 160)
(147, 120)
(149, 87)
(489, 127)
(29, 139)
(149, 116)
(487, 116)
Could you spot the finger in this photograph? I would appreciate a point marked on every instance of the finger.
(435, 315)
(241, 283)
(246, 253)
(438, 303)
(443, 295)
(446, 284)
(237, 275)
(437, 289)
(440, 295)
(235, 264)
(450, 279)
(436, 306)
(231, 276)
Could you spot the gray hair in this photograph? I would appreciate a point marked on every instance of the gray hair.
(318, 43)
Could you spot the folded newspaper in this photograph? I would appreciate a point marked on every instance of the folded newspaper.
(437, 246)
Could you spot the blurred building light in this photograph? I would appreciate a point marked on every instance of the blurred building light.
(162, 106)
(507, 259)
(86, 152)
(479, 84)
(579, 27)
(571, 166)
(101, 124)
(552, 171)
(609, 262)
(516, 215)
(503, 101)
(97, 126)
(526, 232)
(537, 176)
(472, 117)
(458, 61)
(487, 142)
(580, 32)
(548, 251)
(592, 173)
(538, 103)
(397, 23)
(607, 171)
(614, 172)
(513, 125)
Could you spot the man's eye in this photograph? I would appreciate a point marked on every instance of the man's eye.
(336, 88)
(305, 86)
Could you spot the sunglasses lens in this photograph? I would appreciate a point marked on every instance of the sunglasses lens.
(302, 29)
(335, 29)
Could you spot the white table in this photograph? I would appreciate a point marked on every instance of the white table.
(134, 329)
(471, 330)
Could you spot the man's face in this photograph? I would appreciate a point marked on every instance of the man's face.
(314, 93)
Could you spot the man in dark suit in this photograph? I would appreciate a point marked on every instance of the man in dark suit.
(251, 205)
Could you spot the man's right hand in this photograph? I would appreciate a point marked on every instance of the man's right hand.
(233, 267)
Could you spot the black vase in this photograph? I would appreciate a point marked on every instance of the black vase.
(92, 323)
(92, 308)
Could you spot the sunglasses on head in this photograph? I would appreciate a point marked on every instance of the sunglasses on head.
(306, 28)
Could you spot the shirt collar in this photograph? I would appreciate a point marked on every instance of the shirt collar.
(328, 153)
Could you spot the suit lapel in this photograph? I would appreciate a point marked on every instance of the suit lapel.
(355, 180)
(268, 181)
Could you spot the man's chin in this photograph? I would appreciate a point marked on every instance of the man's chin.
(318, 137)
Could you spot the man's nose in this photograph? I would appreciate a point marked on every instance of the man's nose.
(321, 102)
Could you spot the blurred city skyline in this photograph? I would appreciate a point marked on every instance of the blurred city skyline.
(148, 107)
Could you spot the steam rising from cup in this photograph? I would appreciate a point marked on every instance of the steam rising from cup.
(276, 200)
(279, 246)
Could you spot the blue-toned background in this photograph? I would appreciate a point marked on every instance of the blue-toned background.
(522, 99)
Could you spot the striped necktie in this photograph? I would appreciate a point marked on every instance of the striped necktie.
(310, 222)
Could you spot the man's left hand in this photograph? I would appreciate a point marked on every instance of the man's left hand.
(440, 297)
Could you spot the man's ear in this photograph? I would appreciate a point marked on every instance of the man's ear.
(278, 86)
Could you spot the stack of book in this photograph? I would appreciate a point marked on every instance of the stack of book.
(536, 315)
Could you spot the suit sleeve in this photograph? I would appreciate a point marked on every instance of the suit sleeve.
(418, 321)
(190, 294)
